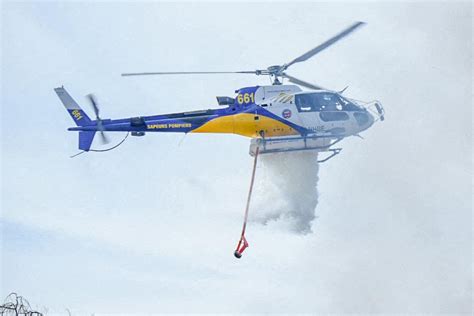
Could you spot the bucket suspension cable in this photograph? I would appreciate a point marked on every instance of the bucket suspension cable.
(243, 244)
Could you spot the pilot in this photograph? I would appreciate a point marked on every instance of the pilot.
(304, 104)
(331, 103)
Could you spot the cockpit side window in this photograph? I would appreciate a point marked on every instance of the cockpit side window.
(330, 102)
(322, 101)
(348, 105)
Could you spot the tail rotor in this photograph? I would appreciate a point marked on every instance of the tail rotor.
(100, 127)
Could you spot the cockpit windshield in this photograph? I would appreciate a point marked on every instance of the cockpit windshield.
(323, 101)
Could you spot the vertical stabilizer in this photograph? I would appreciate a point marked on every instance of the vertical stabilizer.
(78, 115)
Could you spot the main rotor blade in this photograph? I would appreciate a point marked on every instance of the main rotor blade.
(189, 73)
(326, 44)
(302, 83)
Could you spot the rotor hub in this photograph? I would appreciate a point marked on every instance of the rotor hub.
(275, 70)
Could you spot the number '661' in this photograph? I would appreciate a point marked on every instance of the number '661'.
(246, 98)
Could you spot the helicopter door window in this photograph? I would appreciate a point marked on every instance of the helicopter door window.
(306, 103)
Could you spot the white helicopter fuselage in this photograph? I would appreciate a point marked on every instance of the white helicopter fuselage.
(324, 111)
(319, 117)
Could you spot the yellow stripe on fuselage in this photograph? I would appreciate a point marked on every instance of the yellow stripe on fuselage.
(246, 124)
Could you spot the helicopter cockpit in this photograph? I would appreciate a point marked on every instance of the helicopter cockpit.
(323, 101)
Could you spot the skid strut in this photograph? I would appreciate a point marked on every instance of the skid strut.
(243, 244)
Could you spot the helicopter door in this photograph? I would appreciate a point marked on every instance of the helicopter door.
(308, 111)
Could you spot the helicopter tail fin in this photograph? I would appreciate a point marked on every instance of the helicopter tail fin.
(78, 115)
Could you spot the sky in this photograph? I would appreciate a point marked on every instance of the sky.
(151, 227)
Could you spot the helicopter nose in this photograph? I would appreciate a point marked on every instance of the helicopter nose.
(364, 119)
(371, 119)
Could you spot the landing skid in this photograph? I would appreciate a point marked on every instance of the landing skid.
(334, 151)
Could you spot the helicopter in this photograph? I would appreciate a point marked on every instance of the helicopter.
(277, 117)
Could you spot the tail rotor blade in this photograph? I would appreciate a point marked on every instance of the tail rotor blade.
(100, 127)
(104, 139)
(93, 102)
